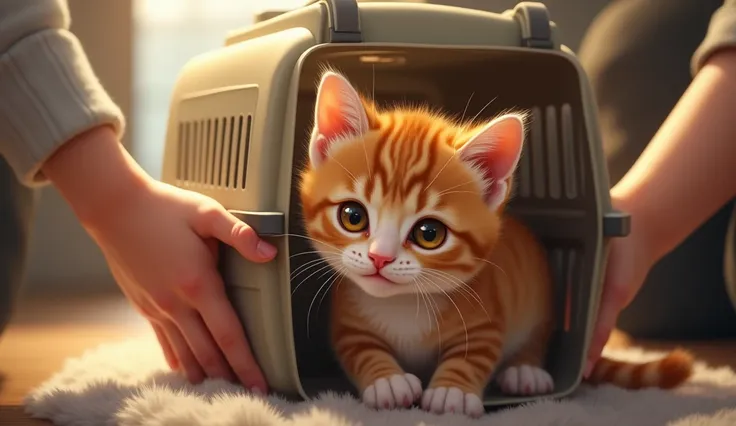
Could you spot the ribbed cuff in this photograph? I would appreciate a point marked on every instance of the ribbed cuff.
(721, 34)
(48, 95)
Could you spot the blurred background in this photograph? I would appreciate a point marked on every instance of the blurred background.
(137, 48)
(636, 56)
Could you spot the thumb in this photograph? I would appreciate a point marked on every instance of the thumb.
(220, 224)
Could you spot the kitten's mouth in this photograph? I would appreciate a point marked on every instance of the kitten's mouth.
(378, 277)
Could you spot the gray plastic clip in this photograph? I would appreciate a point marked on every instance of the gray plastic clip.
(616, 224)
(344, 20)
(264, 223)
(536, 31)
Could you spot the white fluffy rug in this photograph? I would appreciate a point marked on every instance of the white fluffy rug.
(128, 383)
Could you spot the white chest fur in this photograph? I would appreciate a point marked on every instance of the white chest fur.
(404, 322)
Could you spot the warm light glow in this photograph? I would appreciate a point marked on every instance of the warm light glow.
(168, 34)
(378, 59)
(169, 12)
(159, 11)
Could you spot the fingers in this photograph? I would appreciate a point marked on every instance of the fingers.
(188, 334)
(218, 223)
(604, 327)
(187, 361)
(227, 331)
(208, 297)
(615, 297)
(166, 347)
(203, 346)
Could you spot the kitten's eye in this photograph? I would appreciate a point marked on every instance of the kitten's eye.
(352, 216)
(429, 234)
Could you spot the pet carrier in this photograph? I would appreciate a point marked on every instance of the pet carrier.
(239, 126)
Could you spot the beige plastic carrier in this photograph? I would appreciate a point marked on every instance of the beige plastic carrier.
(238, 131)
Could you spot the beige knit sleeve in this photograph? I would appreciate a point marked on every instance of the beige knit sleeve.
(48, 90)
(721, 35)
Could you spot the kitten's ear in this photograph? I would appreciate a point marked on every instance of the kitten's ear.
(338, 113)
(494, 152)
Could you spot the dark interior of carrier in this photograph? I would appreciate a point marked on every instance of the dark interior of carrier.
(554, 193)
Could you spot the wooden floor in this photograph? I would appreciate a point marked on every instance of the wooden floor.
(45, 332)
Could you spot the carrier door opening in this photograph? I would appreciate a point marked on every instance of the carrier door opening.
(552, 182)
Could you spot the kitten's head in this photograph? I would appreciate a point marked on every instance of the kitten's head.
(404, 199)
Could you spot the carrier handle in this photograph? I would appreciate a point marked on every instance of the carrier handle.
(344, 20)
(264, 223)
(616, 224)
(536, 31)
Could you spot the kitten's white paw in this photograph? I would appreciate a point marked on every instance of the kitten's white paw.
(399, 390)
(525, 380)
(452, 400)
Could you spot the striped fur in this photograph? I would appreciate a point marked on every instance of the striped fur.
(452, 317)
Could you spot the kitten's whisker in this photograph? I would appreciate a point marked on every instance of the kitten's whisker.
(312, 274)
(463, 287)
(309, 311)
(352, 176)
(440, 171)
(492, 264)
(304, 265)
(460, 192)
(436, 273)
(313, 252)
(426, 306)
(453, 145)
(466, 107)
(329, 271)
(341, 280)
(334, 277)
(457, 308)
(416, 292)
(308, 265)
(436, 321)
(435, 306)
(338, 250)
(482, 109)
(455, 186)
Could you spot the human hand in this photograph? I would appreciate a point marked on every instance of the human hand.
(629, 260)
(161, 246)
(162, 250)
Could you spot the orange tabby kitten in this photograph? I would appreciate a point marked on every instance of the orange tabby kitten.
(408, 207)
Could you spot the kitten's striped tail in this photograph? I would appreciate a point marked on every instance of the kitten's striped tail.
(666, 373)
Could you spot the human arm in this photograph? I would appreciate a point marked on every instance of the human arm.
(50, 93)
(58, 125)
(686, 173)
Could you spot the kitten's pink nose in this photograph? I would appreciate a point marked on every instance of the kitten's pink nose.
(379, 261)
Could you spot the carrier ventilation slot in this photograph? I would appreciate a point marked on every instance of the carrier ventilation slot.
(550, 166)
(565, 262)
(214, 151)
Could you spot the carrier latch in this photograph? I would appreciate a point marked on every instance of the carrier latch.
(616, 224)
(344, 20)
(536, 31)
(264, 223)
